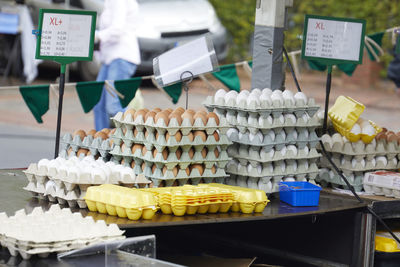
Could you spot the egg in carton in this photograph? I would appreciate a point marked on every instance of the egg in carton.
(328, 176)
(256, 155)
(41, 233)
(382, 183)
(265, 101)
(275, 139)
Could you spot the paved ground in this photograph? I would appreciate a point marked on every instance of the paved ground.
(22, 140)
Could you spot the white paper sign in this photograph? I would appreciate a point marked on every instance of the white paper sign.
(65, 35)
(197, 56)
(333, 39)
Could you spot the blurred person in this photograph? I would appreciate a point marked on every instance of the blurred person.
(394, 68)
(119, 53)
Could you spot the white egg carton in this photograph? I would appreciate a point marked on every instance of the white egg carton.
(276, 138)
(267, 183)
(328, 176)
(256, 155)
(67, 180)
(263, 104)
(281, 168)
(173, 126)
(160, 142)
(56, 230)
(382, 183)
(94, 145)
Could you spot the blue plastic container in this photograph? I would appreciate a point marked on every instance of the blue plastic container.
(299, 194)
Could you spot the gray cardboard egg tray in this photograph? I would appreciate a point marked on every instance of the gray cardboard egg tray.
(268, 184)
(38, 222)
(329, 176)
(361, 150)
(160, 143)
(94, 145)
(305, 137)
(278, 169)
(61, 188)
(173, 126)
(254, 155)
(388, 186)
(300, 108)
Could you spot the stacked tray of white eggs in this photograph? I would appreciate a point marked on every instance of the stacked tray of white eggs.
(172, 147)
(81, 144)
(355, 159)
(66, 180)
(273, 135)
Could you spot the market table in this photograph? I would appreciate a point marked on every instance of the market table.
(334, 232)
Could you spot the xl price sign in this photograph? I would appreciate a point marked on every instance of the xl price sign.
(66, 35)
(333, 40)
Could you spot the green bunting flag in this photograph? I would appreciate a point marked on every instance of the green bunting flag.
(36, 97)
(174, 91)
(128, 88)
(250, 63)
(377, 37)
(89, 94)
(228, 76)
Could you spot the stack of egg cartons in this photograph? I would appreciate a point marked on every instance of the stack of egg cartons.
(66, 180)
(274, 136)
(56, 230)
(92, 143)
(354, 159)
(172, 147)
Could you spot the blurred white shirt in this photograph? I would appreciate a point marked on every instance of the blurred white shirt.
(117, 31)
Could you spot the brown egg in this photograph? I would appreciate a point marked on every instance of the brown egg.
(80, 133)
(146, 133)
(202, 134)
(102, 135)
(135, 132)
(201, 116)
(141, 112)
(150, 114)
(191, 152)
(199, 167)
(175, 171)
(389, 132)
(381, 136)
(163, 116)
(188, 115)
(135, 147)
(213, 169)
(133, 164)
(111, 142)
(91, 132)
(178, 153)
(153, 168)
(81, 151)
(204, 152)
(143, 166)
(89, 153)
(164, 169)
(154, 152)
(180, 110)
(392, 137)
(122, 162)
(156, 110)
(384, 129)
(69, 151)
(105, 130)
(144, 150)
(216, 136)
(213, 115)
(112, 131)
(124, 130)
(123, 147)
(169, 110)
(190, 136)
(156, 136)
(129, 112)
(176, 116)
(398, 134)
(165, 153)
(216, 152)
(187, 171)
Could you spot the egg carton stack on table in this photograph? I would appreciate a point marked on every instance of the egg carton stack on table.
(66, 181)
(172, 147)
(274, 136)
(81, 144)
(56, 230)
(355, 159)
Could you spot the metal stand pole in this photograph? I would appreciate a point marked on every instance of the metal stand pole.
(186, 80)
(60, 104)
(328, 91)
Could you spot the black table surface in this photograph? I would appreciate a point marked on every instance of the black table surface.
(13, 197)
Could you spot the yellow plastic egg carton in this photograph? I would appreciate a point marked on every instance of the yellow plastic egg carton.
(344, 114)
(121, 201)
(384, 242)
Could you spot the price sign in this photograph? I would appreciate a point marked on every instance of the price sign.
(66, 35)
(333, 40)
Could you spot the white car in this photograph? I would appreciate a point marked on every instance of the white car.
(165, 24)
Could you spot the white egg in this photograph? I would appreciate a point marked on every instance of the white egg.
(292, 148)
(373, 162)
(295, 134)
(337, 138)
(368, 130)
(231, 132)
(342, 161)
(282, 134)
(269, 167)
(242, 96)
(264, 121)
(356, 129)
(268, 154)
(281, 119)
(266, 99)
(271, 135)
(256, 91)
(277, 92)
(289, 179)
(287, 94)
(394, 161)
(305, 117)
(270, 120)
(252, 99)
(321, 114)
(220, 94)
(306, 165)
(267, 91)
(294, 165)
(382, 159)
(283, 151)
(290, 118)
(277, 98)
(258, 135)
(283, 166)
(306, 150)
(301, 96)
(230, 96)
(43, 162)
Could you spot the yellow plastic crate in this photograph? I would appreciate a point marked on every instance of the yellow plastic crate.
(345, 112)
(385, 243)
